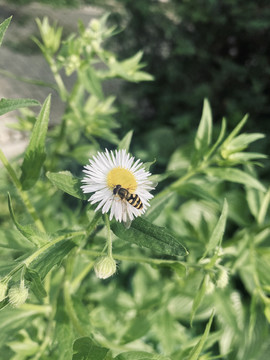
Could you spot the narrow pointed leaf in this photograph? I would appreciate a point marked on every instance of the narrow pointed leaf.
(217, 235)
(145, 234)
(204, 134)
(68, 183)
(30, 232)
(125, 142)
(3, 27)
(235, 175)
(198, 299)
(35, 153)
(7, 105)
(235, 131)
(196, 351)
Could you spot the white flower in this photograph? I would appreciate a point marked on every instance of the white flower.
(105, 172)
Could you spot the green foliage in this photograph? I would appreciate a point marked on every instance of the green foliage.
(197, 49)
(192, 279)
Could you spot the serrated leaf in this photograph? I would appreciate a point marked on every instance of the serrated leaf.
(50, 256)
(36, 285)
(35, 153)
(125, 142)
(235, 175)
(7, 105)
(68, 183)
(145, 234)
(217, 235)
(30, 232)
(85, 349)
(196, 351)
(3, 27)
(204, 133)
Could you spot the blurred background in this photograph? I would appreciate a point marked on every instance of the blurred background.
(196, 49)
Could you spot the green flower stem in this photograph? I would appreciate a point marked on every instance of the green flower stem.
(24, 195)
(36, 309)
(93, 223)
(71, 311)
(58, 79)
(79, 278)
(109, 235)
(32, 211)
(138, 259)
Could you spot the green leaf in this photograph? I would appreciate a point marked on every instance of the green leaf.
(50, 256)
(3, 27)
(35, 153)
(235, 175)
(137, 328)
(91, 82)
(264, 207)
(198, 299)
(30, 232)
(12, 240)
(145, 234)
(140, 355)
(85, 349)
(204, 133)
(196, 351)
(7, 105)
(242, 141)
(68, 183)
(235, 131)
(217, 235)
(125, 142)
(63, 336)
(12, 320)
(158, 204)
(36, 285)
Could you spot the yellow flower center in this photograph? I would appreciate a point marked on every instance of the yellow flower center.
(123, 177)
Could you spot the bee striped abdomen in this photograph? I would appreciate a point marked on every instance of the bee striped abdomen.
(124, 194)
(135, 201)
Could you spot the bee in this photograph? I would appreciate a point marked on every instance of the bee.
(124, 194)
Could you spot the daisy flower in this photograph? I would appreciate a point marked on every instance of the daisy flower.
(118, 184)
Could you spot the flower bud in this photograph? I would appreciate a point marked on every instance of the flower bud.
(18, 295)
(223, 278)
(3, 290)
(105, 267)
